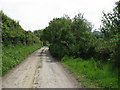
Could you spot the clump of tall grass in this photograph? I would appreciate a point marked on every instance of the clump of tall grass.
(96, 71)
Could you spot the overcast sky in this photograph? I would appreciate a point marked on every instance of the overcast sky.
(36, 14)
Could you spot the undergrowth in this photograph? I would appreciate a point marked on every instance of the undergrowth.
(91, 71)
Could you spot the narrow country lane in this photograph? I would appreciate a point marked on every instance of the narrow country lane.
(39, 70)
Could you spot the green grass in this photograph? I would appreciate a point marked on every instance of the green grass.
(91, 73)
(13, 55)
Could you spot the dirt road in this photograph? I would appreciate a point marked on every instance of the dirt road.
(39, 70)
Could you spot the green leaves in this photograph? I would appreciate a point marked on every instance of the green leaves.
(111, 22)
(68, 37)
(111, 31)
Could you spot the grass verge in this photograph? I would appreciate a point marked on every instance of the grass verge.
(13, 55)
(91, 73)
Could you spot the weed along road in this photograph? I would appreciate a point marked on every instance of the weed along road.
(39, 70)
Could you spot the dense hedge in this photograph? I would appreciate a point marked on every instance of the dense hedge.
(73, 37)
(13, 33)
(17, 43)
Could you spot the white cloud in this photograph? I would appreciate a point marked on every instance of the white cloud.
(36, 14)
